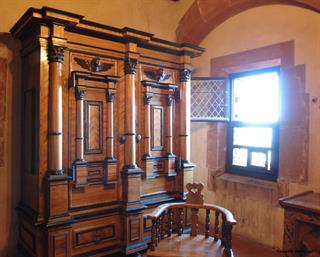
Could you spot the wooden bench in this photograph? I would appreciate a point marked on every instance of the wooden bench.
(168, 240)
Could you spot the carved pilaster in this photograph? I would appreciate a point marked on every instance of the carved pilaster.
(130, 66)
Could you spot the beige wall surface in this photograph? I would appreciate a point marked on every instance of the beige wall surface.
(258, 218)
(159, 17)
(9, 172)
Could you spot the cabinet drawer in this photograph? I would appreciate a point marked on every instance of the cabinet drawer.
(95, 234)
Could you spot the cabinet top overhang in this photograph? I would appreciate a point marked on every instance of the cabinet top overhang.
(76, 23)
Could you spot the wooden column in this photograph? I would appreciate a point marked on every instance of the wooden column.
(130, 113)
(169, 126)
(56, 180)
(79, 93)
(110, 132)
(80, 165)
(55, 58)
(170, 157)
(110, 160)
(147, 101)
(133, 239)
(185, 104)
(186, 167)
(148, 161)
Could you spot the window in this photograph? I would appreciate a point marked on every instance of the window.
(209, 101)
(249, 103)
(253, 129)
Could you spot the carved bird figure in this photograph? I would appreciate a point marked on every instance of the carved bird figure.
(158, 75)
(95, 65)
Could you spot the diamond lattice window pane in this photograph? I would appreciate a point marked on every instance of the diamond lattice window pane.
(209, 99)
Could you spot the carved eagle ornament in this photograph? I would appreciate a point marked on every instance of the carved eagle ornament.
(158, 75)
(95, 65)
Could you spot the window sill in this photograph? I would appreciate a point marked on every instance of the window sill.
(247, 188)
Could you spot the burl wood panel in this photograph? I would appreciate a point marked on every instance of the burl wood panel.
(3, 84)
(93, 127)
(157, 127)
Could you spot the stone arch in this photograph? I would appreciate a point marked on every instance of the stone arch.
(205, 15)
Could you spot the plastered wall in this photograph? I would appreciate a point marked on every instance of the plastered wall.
(259, 217)
(159, 17)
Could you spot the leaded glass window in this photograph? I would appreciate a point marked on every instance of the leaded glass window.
(209, 99)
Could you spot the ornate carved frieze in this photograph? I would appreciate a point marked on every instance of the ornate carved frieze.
(95, 65)
(130, 66)
(184, 75)
(56, 53)
(79, 93)
(157, 75)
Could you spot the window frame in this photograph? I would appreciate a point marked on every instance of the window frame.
(253, 171)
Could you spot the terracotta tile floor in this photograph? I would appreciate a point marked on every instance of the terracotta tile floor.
(247, 248)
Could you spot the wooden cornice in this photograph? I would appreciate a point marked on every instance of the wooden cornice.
(76, 23)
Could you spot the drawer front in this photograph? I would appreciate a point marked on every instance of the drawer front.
(96, 234)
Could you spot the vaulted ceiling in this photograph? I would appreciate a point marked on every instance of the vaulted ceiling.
(205, 15)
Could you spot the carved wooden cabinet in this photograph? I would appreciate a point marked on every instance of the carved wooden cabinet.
(106, 133)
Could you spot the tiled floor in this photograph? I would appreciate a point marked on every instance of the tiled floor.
(247, 248)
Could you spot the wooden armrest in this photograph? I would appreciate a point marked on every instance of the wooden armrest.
(161, 208)
(225, 212)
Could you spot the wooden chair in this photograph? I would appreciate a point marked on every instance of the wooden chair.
(169, 218)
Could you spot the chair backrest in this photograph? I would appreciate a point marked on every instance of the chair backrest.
(194, 195)
(163, 223)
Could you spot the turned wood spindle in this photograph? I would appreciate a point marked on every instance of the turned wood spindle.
(216, 227)
(170, 221)
(162, 225)
(157, 232)
(223, 231)
(159, 229)
(228, 240)
(194, 222)
(180, 221)
(153, 235)
(207, 233)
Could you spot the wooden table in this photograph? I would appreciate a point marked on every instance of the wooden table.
(302, 225)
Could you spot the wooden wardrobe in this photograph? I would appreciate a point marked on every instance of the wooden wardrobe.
(106, 133)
